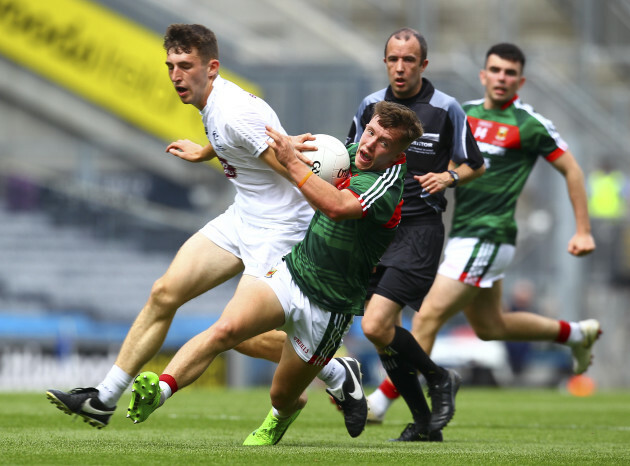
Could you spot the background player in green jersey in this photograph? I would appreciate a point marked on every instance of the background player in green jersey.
(315, 291)
(482, 240)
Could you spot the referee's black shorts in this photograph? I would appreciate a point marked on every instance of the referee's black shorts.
(408, 267)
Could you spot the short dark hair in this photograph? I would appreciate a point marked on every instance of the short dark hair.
(405, 34)
(399, 117)
(185, 37)
(507, 51)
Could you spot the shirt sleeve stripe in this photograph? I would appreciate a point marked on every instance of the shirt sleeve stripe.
(555, 154)
(380, 186)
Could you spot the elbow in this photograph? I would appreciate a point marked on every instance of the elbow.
(335, 213)
(338, 205)
(478, 172)
(338, 211)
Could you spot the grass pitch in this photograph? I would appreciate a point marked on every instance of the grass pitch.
(491, 426)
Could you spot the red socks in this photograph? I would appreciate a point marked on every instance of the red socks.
(565, 331)
(388, 389)
(170, 381)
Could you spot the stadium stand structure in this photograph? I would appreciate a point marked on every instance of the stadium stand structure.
(71, 268)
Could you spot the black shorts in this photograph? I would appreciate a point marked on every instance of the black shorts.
(408, 267)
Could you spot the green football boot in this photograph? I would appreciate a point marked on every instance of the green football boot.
(145, 397)
(271, 430)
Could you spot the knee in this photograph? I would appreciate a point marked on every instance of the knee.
(163, 299)
(224, 335)
(375, 331)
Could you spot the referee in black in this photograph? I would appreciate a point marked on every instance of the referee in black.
(447, 154)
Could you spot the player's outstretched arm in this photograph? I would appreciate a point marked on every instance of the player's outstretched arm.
(191, 151)
(582, 243)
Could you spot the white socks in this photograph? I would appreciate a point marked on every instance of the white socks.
(333, 374)
(113, 386)
(166, 392)
(379, 403)
(575, 336)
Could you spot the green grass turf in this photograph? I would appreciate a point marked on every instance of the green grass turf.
(491, 426)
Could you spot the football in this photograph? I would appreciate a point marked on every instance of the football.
(331, 161)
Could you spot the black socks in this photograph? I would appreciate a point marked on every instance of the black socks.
(402, 359)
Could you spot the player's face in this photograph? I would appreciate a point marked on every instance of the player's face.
(502, 79)
(378, 147)
(191, 77)
(404, 67)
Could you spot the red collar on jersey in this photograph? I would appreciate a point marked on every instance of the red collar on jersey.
(507, 104)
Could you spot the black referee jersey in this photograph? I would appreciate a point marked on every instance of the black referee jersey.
(446, 136)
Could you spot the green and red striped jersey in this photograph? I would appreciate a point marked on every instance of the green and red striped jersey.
(511, 140)
(333, 262)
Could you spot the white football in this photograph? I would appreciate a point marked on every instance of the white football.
(331, 161)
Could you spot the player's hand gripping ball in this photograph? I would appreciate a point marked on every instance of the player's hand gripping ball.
(331, 161)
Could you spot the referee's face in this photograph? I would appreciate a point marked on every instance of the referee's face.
(404, 66)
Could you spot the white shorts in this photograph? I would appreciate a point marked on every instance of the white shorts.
(476, 262)
(315, 334)
(259, 248)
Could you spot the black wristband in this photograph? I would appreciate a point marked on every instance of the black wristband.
(455, 177)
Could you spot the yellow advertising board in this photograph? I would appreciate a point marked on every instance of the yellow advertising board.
(103, 57)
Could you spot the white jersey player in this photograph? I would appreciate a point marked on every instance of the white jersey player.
(267, 217)
(269, 213)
